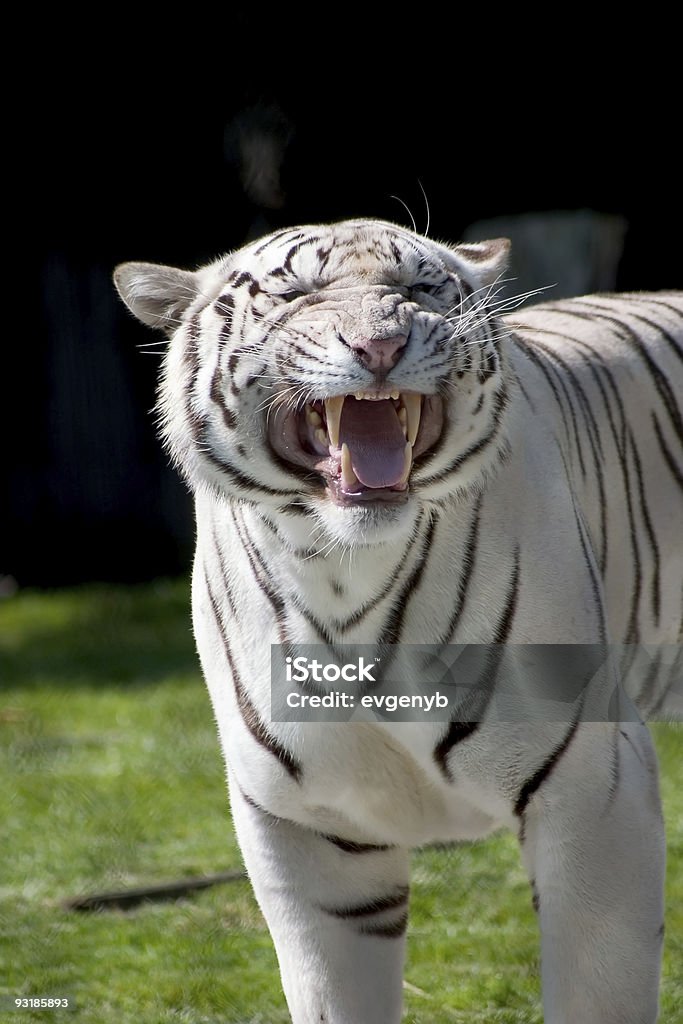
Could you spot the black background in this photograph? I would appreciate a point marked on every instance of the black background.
(120, 155)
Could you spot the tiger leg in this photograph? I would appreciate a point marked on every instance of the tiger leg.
(337, 916)
(593, 844)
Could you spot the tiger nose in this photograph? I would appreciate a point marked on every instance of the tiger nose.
(381, 353)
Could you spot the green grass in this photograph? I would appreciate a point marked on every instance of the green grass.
(111, 776)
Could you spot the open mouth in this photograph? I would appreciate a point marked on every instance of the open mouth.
(362, 445)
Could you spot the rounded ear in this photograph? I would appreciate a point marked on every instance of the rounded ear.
(155, 294)
(481, 263)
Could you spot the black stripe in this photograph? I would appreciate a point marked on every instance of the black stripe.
(615, 768)
(348, 846)
(488, 365)
(500, 401)
(249, 714)
(666, 452)
(224, 306)
(216, 396)
(391, 631)
(387, 931)
(307, 552)
(224, 575)
(653, 299)
(592, 429)
(587, 549)
(595, 581)
(261, 575)
(621, 447)
(257, 807)
(631, 744)
(668, 338)
(272, 239)
(591, 362)
(675, 675)
(655, 593)
(199, 424)
(199, 427)
(458, 731)
(535, 781)
(323, 257)
(632, 631)
(285, 269)
(376, 906)
(530, 348)
(342, 625)
(504, 627)
(468, 562)
(659, 378)
(244, 277)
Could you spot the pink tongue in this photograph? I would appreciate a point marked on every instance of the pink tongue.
(375, 439)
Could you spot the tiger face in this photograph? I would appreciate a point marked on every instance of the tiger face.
(348, 371)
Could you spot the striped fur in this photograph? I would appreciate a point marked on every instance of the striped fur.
(548, 509)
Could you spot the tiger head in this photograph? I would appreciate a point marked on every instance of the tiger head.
(350, 372)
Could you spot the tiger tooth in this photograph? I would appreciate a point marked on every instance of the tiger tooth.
(313, 417)
(402, 415)
(333, 411)
(348, 477)
(321, 437)
(395, 395)
(413, 406)
(407, 462)
(359, 396)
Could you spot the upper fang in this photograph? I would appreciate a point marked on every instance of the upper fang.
(413, 407)
(333, 411)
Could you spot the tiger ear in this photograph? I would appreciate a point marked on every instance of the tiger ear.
(156, 294)
(482, 262)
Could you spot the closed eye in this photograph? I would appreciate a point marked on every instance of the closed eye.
(291, 296)
(427, 287)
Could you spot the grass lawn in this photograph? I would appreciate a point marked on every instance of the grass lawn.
(112, 777)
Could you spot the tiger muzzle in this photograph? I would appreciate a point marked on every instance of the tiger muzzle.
(364, 445)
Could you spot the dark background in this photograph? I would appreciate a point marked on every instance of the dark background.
(134, 153)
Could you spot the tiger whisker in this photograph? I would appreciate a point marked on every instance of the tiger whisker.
(407, 209)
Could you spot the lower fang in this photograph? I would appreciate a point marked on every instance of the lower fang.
(348, 477)
(403, 420)
(321, 437)
(407, 462)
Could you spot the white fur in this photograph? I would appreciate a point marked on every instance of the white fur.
(595, 850)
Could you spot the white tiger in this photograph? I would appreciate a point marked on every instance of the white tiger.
(377, 457)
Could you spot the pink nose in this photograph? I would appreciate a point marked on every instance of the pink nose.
(381, 353)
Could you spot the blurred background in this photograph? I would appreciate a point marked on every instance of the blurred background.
(180, 150)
